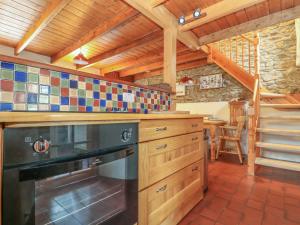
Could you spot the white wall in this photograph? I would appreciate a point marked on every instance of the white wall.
(8, 51)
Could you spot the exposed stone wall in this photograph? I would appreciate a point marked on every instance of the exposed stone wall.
(232, 88)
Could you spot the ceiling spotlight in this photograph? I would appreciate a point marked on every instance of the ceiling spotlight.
(181, 20)
(197, 13)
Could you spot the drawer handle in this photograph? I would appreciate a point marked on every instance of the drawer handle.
(161, 129)
(195, 168)
(161, 189)
(195, 125)
(161, 147)
(194, 138)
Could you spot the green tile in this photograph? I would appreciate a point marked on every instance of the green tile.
(19, 67)
(96, 87)
(19, 86)
(7, 74)
(73, 108)
(89, 102)
(88, 80)
(81, 93)
(55, 74)
(55, 91)
(120, 91)
(64, 83)
(108, 89)
(134, 105)
(115, 104)
(102, 109)
(33, 78)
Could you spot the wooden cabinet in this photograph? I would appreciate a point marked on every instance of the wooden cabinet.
(156, 129)
(170, 169)
(161, 158)
(169, 200)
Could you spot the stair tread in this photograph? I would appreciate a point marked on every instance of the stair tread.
(283, 106)
(272, 95)
(281, 117)
(278, 146)
(280, 131)
(278, 163)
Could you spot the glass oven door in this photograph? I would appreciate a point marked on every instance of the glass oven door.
(90, 191)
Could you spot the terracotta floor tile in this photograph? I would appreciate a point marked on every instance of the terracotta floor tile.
(252, 216)
(255, 204)
(202, 221)
(237, 206)
(275, 201)
(230, 217)
(292, 213)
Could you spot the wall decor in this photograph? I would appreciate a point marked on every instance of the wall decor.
(211, 81)
(180, 90)
(27, 88)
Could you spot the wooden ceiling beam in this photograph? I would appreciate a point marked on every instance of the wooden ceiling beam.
(155, 3)
(105, 27)
(165, 19)
(159, 64)
(153, 36)
(137, 61)
(180, 67)
(256, 24)
(218, 10)
(52, 9)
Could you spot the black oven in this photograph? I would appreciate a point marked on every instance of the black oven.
(70, 175)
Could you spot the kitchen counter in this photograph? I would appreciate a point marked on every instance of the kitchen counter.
(26, 117)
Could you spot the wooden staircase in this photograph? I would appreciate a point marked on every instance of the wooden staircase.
(273, 131)
(238, 56)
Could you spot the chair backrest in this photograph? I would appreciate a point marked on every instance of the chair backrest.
(237, 109)
(240, 125)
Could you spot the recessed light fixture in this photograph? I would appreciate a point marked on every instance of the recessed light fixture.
(181, 20)
(80, 59)
(197, 13)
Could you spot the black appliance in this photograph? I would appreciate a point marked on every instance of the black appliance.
(70, 175)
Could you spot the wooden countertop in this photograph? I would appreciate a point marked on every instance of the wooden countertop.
(26, 117)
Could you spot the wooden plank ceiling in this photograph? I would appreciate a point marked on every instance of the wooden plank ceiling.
(111, 34)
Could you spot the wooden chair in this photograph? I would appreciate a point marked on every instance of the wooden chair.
(232, 134)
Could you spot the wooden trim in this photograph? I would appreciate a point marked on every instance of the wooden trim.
(52, 9)
(153, 36)
(218, 10)
(74, 72)
(256, 24)
(111, 24)
(155, 3)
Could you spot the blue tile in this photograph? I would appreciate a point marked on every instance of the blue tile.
(102, 103)
(64, 100)
(125, 104)
(65, 75)
(73, 84)
(6, 106)
(108, 96)
(134, 110)
(32, 98)
(96, 95)
(120, 86)
(120, 97)
(89, 109)
(137, 94)
(20, 76)
(6, 65)
(146, 111)
(129, 91)
(96, 81)
(142, 105)
(81, 101)
(54, 108)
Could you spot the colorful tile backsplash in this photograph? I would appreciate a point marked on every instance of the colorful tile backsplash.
(26, 88)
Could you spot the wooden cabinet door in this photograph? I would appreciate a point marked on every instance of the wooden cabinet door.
(161, 158)
(168, 201)
(157, 129)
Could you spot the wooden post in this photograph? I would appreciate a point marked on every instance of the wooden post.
(170, 57)
(251, 142)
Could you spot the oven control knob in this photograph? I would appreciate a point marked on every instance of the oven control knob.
(126, 135)
(41, 145)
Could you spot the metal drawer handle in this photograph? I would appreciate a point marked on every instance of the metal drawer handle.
(161, 146)
(195, 168)
(194, 125)
(194, 138)
(161, 189)
(161, 129)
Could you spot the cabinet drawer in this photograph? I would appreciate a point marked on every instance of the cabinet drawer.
(156, 129)
(169, 200)
(161, 158)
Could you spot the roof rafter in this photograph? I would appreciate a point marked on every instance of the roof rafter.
(109, 25)
(52, 9)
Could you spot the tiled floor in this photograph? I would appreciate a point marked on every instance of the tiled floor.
(270, 198)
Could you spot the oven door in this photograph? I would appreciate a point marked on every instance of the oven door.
(93, 190)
